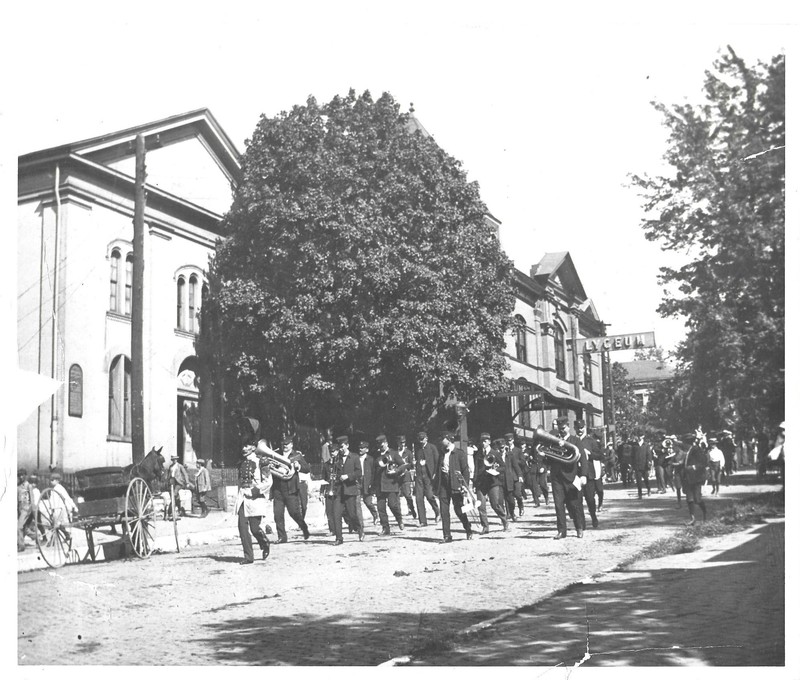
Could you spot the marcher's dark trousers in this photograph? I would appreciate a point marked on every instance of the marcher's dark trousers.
(567, 499)
(519, 489)
(370, 503)
(588, 492)
(390, 498)
(625, 473)
(303, 498)
(445, 497)
(494, 496)
(254, 525)
(539, 484)
(642, 475)
(423, 490)
(331, 518)
(351, 503)
(510, 498)
(290, 502)
(406, 491)
(694, 496)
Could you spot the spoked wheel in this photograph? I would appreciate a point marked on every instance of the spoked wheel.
(140, 517)
(53, 536)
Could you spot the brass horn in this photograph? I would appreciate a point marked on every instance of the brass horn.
(556, 448)
(280, 466)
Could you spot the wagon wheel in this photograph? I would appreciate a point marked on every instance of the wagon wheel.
(53, 537)
(140, 517)
(174, 516)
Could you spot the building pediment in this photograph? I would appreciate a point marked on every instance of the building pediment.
(558, 270)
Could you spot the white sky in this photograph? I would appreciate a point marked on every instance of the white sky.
(548, 109)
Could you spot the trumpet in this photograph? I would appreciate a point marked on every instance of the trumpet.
(280, 466)
(556, 448)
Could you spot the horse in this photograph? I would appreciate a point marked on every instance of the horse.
(150, 469)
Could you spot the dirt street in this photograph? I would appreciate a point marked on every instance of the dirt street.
(313, 603)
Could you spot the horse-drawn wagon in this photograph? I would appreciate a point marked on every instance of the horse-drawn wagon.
(107, 496)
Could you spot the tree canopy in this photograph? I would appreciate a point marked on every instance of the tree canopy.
(358, 273)
(724, 204)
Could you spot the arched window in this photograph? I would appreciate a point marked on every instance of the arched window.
(561, 358)
(192, 326)
(128, 283)
(520, 339)
(119, 398)
(75, 405)
(113, 302)
(181, 287)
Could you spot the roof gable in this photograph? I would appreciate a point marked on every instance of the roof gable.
(188, 155)
(558, 268)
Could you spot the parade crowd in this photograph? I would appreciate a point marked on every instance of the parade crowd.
(494, 476)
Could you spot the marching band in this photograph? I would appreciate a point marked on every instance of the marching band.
(443, 477)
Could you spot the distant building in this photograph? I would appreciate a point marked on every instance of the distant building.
(645, 375)
(74, 262)
(551, 307)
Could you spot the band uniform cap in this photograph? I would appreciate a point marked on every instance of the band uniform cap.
(422, 435)
(287, 439)
(485, 436)
(562, 420)
(363, 445)
(344, 439)
(508, 436)
(499, 442)
(579, 423)
(380, 438)
(450, 436)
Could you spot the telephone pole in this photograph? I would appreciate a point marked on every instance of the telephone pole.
(137, 304)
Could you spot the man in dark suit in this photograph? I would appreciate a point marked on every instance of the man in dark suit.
(487, 484)
(566, 493)
(367, 480)
(285, 493)
(515, 454)
(346, 490)
(510, 474)
(387, 484)
(453, 472)
(427, 462)
(407, 478)
(588, 445)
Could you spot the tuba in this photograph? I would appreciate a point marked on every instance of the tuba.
(490, 460)
(280, 466)
(555, 447)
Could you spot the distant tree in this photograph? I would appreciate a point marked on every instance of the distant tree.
(724, 204)
(650, 354)
(629, 415)
(359, 282)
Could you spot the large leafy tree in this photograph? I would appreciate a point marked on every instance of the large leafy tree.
(359, 282)
(724, 204)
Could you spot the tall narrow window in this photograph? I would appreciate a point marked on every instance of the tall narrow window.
(587, 372)
(192, 327)
(561, 361)
(181, 287)
(75, 406)
(520, 339)
(128, 283)
(113, 302)
(119, 401)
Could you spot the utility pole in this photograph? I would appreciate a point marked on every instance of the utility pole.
(137, 304)
(608, 376)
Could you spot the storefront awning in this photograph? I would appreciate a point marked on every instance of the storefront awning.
(542, 399)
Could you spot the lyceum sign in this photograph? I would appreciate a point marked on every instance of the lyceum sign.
(614, 342)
